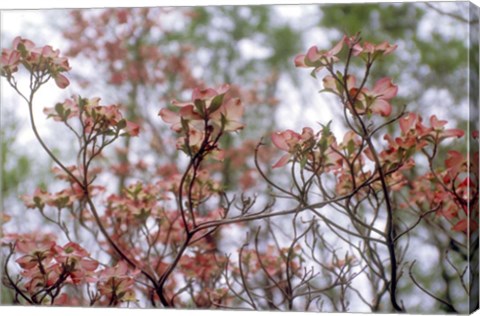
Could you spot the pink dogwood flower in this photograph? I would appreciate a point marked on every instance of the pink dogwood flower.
(318, 59)
(75, 258)
(383, 48)
(9, 62)
(35, 59)
(290, 142)
(438, 127)
(210, 113)
(377, 99)
(35, 253)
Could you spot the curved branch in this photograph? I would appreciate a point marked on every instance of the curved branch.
(450, 306)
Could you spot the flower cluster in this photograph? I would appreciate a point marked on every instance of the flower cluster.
(367, 48)
(202, 265)
(358, 99)
(116, 283)
(318, 59)
(375, 100)
(64, 198)
(48, 266)
(366, 101)
(414, 137)
(411, 126)
(43, 62)
(135, 205)
(452, 191)
(41, 198)
(95, 119)
(201, 122)
(307, 147)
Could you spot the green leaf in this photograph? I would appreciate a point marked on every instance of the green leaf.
(323, 145)
(326, 131)
(22, 49)
(110, 132)
(122, 124)
(216, 103)
(339, 75)
(184, 123)
(350, 147)
(81, 102)
(138, 188)
(303, 162)
(200, 107)
(59, 108)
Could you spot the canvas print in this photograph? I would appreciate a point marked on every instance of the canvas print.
(308, 158)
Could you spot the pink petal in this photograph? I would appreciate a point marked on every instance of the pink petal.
(300, 61)
(465, 225)
(25, 246)
(203, 94)
(350, 135)
(368, 47)
(351, 81)
(437, 124)
(26, 262)
(386, 47)
(89, 265)
(278, 140)
(385, 88)
(223, 89)
(312, 55)
(330, 83)
(381, 107)
(233, 126)
(337, 48)
(454, 159)
(282, 161)
(61, 300)
(407, 122)
(121, 268)
(333, 157)
(357, 49)
(169, 116)
(132, 129)
(27, 43)
(61, 81)
(188, 113)
(420, 128)
(195, 137)
(181, 104)
(233, 109)
(307, 133)
(10, 57)
(454, 132)
(47, 51)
